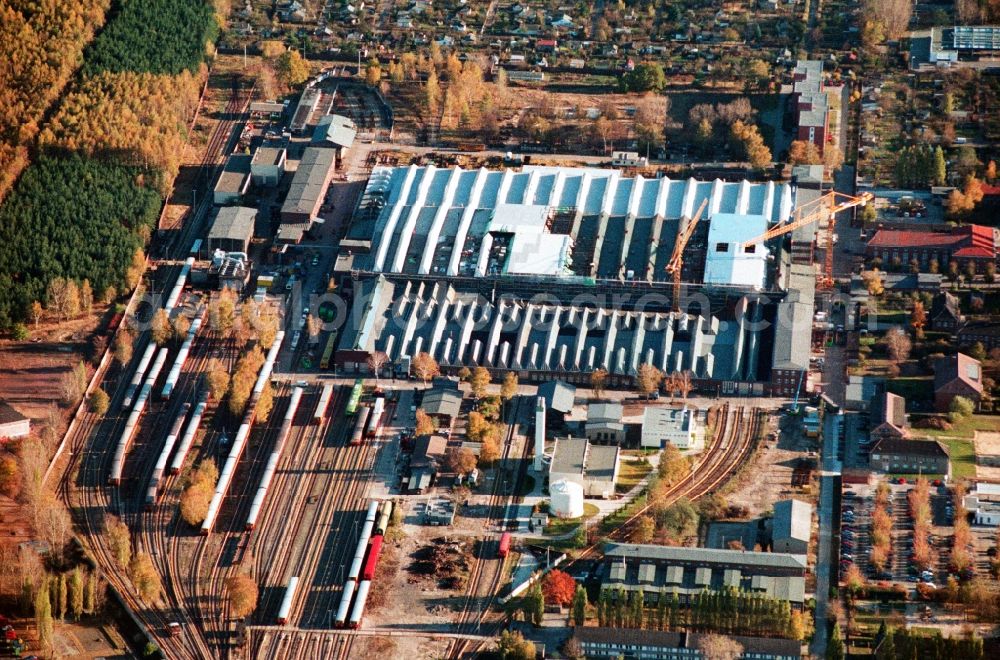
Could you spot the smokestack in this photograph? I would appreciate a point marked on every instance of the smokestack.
(539, 434)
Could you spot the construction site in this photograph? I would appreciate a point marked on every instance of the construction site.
(558, 271)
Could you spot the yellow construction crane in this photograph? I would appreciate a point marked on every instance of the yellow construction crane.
(826, 206)
(676, 263)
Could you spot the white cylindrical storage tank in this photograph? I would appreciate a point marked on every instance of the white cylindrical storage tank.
(567, 499)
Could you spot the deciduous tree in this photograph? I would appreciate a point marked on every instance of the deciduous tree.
(98, 401)
(719, 647)
(459, 460)
(145, 577)
(119, 539)
(648, 379)
(558, 587)
(425, 424)
(479, 381)
(291, 68)
(242, 592)
(424, 367)
(598, 381)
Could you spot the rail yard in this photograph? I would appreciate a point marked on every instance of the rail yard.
(383, 496)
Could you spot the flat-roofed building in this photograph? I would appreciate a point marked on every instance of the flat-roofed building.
(662, 571)
(268, 165)
(679, 427)
(233, 181)
(593, 467)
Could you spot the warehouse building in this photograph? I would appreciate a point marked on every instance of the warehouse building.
(232, 229)
(558, 221)
(664, 571)
(309, 185)
(593, 467)
(544, 338)
(336, 132)
(791, 527)
(233, 181)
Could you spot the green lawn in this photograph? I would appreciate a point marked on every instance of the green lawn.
(964, 429)
(559, 526)
(631, 473)
(963, 458)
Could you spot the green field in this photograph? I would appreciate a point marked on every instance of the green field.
(965, 429)
(559, 526)
(630, 473)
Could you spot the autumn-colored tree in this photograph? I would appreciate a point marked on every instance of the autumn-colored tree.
(479, 381)
(425, 367)
(376, 361)
(918, 318)
(292, 69)
(265, 403)
(425, 424)
(198, 494)
(242, 592)
(804, 152)
(719, 647)
(558, 587)
(217, 379)
(645, 529)
(119, 539)
(123, 346)
(673, 467)
(508, 389)
(647, 379)
(98, 401)
(751, 144)
(459, 460)
(145, 577)
(222, 312)
(10, 476)
(897, 344)
(63, 297)
(182, 325)
(598, 381)
(432, 93)
(160, 331)
(373, 72)
(873, 281)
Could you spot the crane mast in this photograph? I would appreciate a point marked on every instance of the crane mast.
(827, 206)
(676, 263)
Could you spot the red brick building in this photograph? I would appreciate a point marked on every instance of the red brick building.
(967, 244)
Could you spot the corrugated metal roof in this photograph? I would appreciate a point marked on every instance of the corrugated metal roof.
(792, 520)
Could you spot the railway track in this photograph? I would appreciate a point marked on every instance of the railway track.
(348, 475)
(83, 486)
(487, 574)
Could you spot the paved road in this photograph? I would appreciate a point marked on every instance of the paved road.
(830, 470)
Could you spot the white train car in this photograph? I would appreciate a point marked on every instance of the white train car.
(132, 424)
(161, 462)
(229, 468)
(182, 356)
(375, 418)
(272, 461)
(371, 517)
(140, 373)
(189, 432)
(324, 403)
(359, 604)
(344, 608)
(175, 293)
(286, 602)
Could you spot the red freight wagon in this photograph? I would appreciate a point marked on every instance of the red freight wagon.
(371, 561)
(504, 545)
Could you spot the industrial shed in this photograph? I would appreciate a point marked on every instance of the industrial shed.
(305, 196)
(12, 423)
(232, 229)
(233, 181)
(593, 467)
